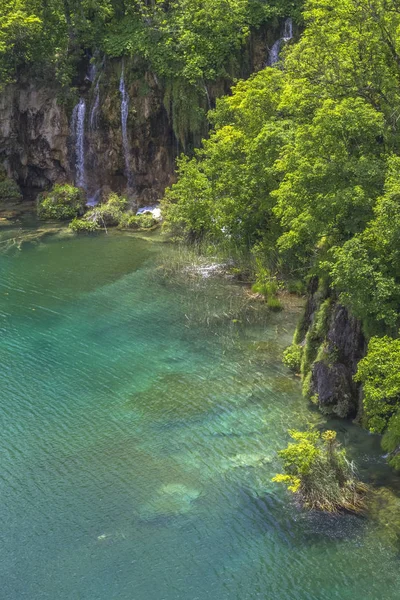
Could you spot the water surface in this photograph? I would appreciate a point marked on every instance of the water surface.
(140, 424)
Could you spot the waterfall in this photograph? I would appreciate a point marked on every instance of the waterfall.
(124, 125)
(288, 30)
(273, 57)
(78, 128)
(95, 107)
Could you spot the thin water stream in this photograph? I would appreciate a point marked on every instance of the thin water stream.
(140, 424)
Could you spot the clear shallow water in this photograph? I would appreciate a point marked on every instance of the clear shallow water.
(139, 434)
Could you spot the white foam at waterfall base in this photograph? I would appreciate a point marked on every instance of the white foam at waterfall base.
(124, 126)
(154, 210)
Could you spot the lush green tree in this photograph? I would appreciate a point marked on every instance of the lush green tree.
(63, 202)
(379, 372)
(366, 270)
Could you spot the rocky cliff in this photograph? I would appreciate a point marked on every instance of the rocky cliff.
(333, 344)
(37, 144)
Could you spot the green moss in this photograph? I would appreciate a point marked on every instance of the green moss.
(306, 388)
(310, 352)
(61, 203)
(315, 337)
(321, 324)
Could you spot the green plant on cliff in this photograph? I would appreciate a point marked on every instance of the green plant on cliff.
(292, 357)
(63, 202)
(317, 471)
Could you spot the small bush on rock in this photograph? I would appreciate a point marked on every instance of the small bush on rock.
(317, 471)
(108, 214)
(83, 226)
(61, 203)
(292, 357)
(131, 221)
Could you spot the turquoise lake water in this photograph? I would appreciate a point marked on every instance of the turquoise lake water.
(140, 424)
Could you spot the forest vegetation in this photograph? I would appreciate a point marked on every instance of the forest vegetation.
(302, 171)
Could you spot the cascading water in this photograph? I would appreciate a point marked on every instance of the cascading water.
(78, 127)
(95, 107)
(288, 30)
(124, 125)
(276, 48)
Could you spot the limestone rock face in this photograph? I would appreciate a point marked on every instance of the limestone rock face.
(335, 345)
(33, 137)
(37, 143)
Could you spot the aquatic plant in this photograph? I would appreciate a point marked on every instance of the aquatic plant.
(318, 472)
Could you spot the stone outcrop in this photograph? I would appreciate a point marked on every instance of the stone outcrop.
(333, 344)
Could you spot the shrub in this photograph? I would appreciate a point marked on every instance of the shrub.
(9, 191)
(61, 203)
(131, 221)
(317, 471)
(292, 357)
(83, 225)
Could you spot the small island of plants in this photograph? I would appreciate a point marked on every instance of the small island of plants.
(318, 472)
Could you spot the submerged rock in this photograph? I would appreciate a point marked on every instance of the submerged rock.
(250, 460)
(170, 500)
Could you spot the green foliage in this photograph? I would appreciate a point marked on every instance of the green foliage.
(192, 41)
(296, 287)
(9, 191)
(379, 372)
(367, 267)
(83, 226)
(303, 163)
(108, 214)
(292, 357)
(63, 202)
(224, 192)
(133, 221)
(317, 471)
